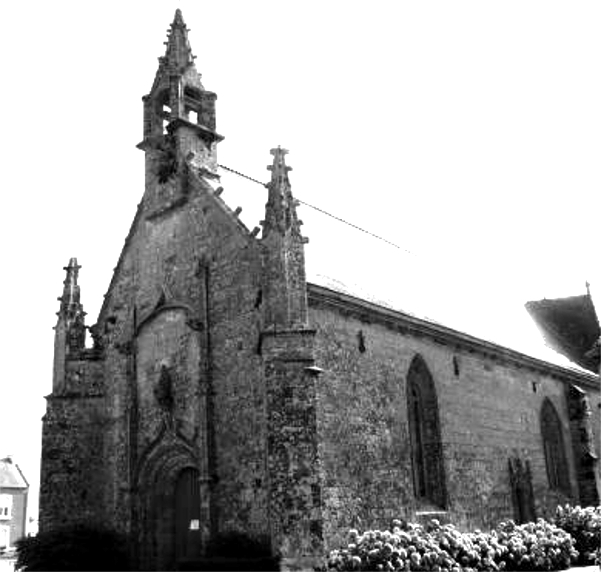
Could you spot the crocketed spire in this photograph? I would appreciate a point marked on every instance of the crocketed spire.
(280, 210)
(70, 300)
(71, 312)
(178, 55)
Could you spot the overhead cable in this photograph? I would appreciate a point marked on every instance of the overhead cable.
(356, 227)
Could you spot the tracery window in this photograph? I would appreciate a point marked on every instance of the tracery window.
(424, 434)
(555, 454)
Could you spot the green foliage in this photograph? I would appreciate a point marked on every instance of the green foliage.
(75, 547)
(584, 524)
(436, 548)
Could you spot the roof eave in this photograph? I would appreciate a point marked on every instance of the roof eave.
(442, 334)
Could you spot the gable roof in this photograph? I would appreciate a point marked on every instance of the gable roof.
(11, 476)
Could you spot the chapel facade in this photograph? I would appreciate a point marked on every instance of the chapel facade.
(224, 392)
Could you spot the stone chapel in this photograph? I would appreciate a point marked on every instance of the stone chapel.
(225, 392)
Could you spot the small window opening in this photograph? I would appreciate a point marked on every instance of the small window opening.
(361, 341)
(456, 366)
(316, 495)
(534, 386)
(191, 92)
(165, 123)
(193, 116)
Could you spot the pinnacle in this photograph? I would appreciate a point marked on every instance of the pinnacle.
(280, 211)
(70, 301)
(178, 53)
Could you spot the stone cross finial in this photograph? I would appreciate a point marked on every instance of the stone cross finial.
(279, 161)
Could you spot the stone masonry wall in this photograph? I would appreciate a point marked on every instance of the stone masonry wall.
(489, 412)
(198, 259)
(72, 483)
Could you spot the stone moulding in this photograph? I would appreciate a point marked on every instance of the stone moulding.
(172, 305)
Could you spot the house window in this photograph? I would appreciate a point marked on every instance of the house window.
(4, 536)
(424, 434)
(553, 445)
(6, 506)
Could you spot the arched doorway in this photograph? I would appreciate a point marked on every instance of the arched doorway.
(168, 515)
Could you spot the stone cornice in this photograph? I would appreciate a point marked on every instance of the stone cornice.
(407, 324)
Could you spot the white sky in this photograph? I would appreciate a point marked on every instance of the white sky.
(466, 132)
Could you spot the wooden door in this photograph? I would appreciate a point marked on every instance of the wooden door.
(187, 515)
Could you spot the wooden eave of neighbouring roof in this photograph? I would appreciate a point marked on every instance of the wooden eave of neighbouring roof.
(570, 326)
(407, 324)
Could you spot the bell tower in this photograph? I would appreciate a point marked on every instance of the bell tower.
(179, 124)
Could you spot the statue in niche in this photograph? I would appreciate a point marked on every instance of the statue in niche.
(164, 392)
(580, 412)
(520, 478)
(166, 161)
(586, 431)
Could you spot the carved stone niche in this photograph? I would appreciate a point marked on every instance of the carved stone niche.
(164, 389)
(166, 160)
(520, 479)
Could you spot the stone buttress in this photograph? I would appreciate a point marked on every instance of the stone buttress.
(72, 467)
(287, 348)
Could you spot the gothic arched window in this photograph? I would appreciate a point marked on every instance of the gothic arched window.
(424, 434)
(555, 454)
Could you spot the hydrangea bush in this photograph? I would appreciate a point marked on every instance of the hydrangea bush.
(436, 548)
(584, 524)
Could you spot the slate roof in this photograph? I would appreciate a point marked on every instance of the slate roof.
(383, 298)
(11, 476)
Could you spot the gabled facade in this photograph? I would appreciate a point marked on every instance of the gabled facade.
(170, 427)
(13, 503)
(223, 392)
